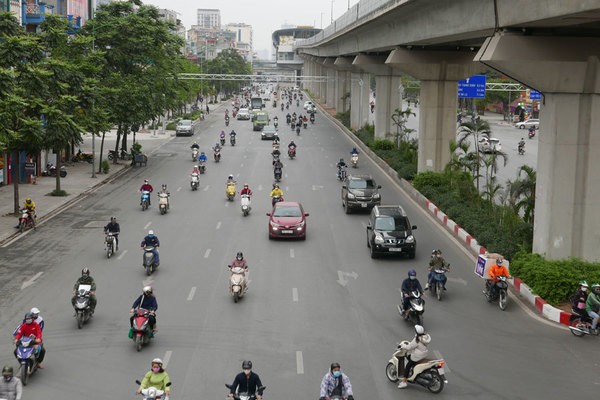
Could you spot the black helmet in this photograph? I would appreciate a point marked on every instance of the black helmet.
(113, 219)
(239, 255)
(412, 272)
(334, 365)
(7, 370)
(247, 364)
(85, 272)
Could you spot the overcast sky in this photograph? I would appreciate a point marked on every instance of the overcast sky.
(265, 16)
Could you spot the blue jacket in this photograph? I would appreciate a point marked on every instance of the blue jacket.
(146, 302)
(151, 241)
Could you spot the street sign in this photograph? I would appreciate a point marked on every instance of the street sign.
(472, 88)
(534, 95)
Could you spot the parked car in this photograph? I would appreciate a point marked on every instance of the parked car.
(389, 232)
(489, 145)
(287, 220)
(268, 133)
(528, 124)
(360, 192)
(184, 128)
(243, 114)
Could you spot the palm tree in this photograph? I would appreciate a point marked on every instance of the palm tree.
(458, 161)
(523, 192)
(474, 130)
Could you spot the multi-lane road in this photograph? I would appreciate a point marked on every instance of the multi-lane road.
(309, 303)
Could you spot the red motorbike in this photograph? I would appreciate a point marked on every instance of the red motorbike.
(292, 152)
(26, 221)
(141, 333)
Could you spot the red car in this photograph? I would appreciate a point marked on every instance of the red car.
(288, 220)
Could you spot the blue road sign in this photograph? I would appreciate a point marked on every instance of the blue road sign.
(472, 88)
(534, 95)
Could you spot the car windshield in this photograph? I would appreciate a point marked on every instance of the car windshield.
(287, 211)
(185, 123)
(361, 184)
(262, 117)
(387, 223)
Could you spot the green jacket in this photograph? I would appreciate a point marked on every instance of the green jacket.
(85, 280)
(592, 303)
(158, 380)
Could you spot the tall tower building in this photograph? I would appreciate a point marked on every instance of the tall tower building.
(243, 38)
(209, 18)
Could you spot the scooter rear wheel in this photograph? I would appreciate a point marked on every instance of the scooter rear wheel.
(437, 383)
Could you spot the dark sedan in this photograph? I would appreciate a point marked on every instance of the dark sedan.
(268, 133)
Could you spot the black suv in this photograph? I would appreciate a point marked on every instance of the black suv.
(389, 231)
(360, 192)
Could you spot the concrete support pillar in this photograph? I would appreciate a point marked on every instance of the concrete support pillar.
(388, 100)
(359, 99)
(342, 91)
(567, 198)
(331, 78)
(323, 84)
(317, 86)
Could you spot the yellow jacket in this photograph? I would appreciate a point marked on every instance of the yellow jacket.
(276, 192)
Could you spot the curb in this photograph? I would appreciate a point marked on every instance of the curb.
(468, 241)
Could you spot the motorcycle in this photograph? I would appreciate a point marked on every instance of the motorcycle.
(439, 281)
(497, 291)
(153, 393)
(26, 221)
(237, 283)
(230, 191)
(51, 170)
(202, 167)
(232, 140)
(281, 106)
(341, 174)
(27, 356)
(531, 133)
(148, 261)
(521, 149)
(83, 311)
(217, 155)
(145, 200)
(276, 124)
(292, 152)
(222, 140)
(226, 121)
(123, 155)
(312, 118)
(195, 182)
(288, 119)
(81, 156)
(429, 373)
(293, 125)
(244, 395)
(194, 154)
(580, 323)
(163, 202)
(354, 160)
(298, 130)
(305, 124)
(109, 244)
(141, 333)
(245, 204)
(416, 308)
(277, 172)
(276, 199)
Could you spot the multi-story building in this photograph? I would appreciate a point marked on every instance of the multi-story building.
(243, 39)
(206, 44)
(283, 42)
(209, 18)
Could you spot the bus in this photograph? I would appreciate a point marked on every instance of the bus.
(256, 103)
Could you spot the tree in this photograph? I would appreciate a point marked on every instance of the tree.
(474, 130)
(229, 61)
(523, 192)
(400, 117)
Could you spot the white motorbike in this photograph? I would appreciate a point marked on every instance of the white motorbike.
(354, 160)
(245, 204)
(195, 182)
(163, 202)
(237, 283)
(153, 393)
(427, 373)
(194, 154)
(109, 244)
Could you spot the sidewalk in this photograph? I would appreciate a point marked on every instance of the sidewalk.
(77, 183)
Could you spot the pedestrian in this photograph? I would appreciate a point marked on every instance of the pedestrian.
(207, 110)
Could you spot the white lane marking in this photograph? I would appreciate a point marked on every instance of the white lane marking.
(30, 282)
(287, 188)
(291, 253)
(122, 255)
(439, 356)
(166, 358)
(295, 294)
(207, 253)
(147, 225)
(245, 156)
(218, 225)
(242, 165)
(179, 189)
(206, 187)
(237, 175)
(192, 293)
(299, 363)
(260, 187)
(286, 175)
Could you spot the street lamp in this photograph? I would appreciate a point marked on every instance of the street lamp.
(332, 11)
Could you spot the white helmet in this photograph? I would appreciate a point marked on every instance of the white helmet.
(157, 361)
(147, 289)
(34, 310)
(150, 232)
(419, 330)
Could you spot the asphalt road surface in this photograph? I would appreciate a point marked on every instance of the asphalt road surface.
(309, 303)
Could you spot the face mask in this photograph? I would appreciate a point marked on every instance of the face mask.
(412, 278)
(155, 369)
(28, 321)
(7, 378)
(337, 374)
(239, 258)
(584, 289)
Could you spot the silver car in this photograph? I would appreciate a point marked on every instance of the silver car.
(184, 128)
(528, 124)
(243, 113)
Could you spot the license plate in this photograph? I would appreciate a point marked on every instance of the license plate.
(287, 231)
(363, 205)
(441, 371)
(395, 249)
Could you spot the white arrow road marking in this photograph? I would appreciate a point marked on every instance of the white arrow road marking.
(192, 293)
(206, 187)
(295, 294)
(291, 253)
(122, 255)
(166, 358)
(30, 282)
(457, 280)
(147, 225)
(218, 225)
(317, 187)
(299, 363)
(341, 275)
(206, 253)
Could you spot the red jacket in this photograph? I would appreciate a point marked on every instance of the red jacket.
(147, 187)
(28, 330)
(246, 191)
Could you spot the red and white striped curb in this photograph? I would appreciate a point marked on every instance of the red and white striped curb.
(549, 312)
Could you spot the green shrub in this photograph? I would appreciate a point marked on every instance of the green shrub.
(171, 125)
(59, 193)
(136, 147)
(384, 144)
(344, 118)
(105, 166)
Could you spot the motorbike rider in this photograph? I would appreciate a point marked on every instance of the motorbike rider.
(11, 387)
(436, 262)
(276, 120)
(202, 157)
(28, 328)
(151, 240)
(531, 131)
(37, 317)
(291, 145)
(146, 187)
(409, 285)
(592, 306)
(195, 146)
(246, 190)
(240, 262)
(276, 192)
(217, 147)
(522, 145)
(28, 205)
(578, 300)
(416, 351)
(195, 170)
(246, 382)
(312, 115)
(147, 301)
(335, 383)
(232, 134)
(163, 190)
(114, 228)
(277, 166)
(354, 151)
(276, 154)
(222, 135)
(85, 279)
(156, 378)
(276, 141)
(341, 164)
(288, 118)
(230, 180)
(496, 270)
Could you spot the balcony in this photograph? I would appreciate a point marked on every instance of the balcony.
(34, 14)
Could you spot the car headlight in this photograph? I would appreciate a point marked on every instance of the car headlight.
(410, 239)
(377, 196)
(300, 226)
(379, 238)
(274, 225)
(351, 196)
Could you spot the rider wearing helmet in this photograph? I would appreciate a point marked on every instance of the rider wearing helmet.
(164, 190)
(579, 298)
(416, 351)
(11, 387)
(28, 205)
(195, 146)
(409, 285)
(246, 190)
(246, 382)
(593, 306)
(146, 187)
(151, 240)
(156, 378)
(202, 157)
(354, 151)
(147, 301)
(436, 262)
(37, 317)
(195, 170)
(28, 328)
(113, 228)
(276, 193)
(240, 262)
(230, 179)
(335, 383)
(496, 270)
(85, 279)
